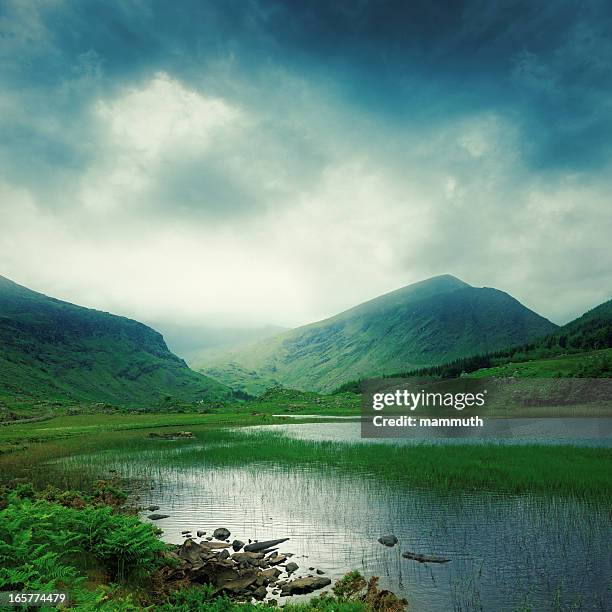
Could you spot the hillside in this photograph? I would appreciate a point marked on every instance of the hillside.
(425, 323)
(54, 350)
(581, 348)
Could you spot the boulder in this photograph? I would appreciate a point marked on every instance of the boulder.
(271, 574)
(259, 546)
(200, 533)
(237, 545)
(424, 558)
(260, 593)
(291, 567)
(221, 533)
(388, 540)
(238, 585)
(276, 559)
(190, 551)
(301, 586)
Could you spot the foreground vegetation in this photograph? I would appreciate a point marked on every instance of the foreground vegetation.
(106, 559)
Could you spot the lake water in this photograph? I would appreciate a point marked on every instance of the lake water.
(507, 552)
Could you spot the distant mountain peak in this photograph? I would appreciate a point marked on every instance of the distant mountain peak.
(426, 323)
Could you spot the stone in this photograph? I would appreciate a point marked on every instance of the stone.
(221, 533)
(258, 546)
(276, 560)
(157, 517)
(238, 585)
(237, 545)
(260, 593)
(424, 558)
(200, 533)
(214, 545)
(271, 574)
(224, 554)
(190, 551)
(388, 540)
(291, 567)
(301, 586)
(153, 508)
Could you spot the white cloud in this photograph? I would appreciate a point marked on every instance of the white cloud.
(198, 208)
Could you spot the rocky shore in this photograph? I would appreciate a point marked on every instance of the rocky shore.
(257, 570)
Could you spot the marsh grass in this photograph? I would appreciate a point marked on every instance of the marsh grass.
(558, 470)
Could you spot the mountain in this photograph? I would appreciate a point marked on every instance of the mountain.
(593, 330)
(423, 324)
(51, 349)
(581, 348)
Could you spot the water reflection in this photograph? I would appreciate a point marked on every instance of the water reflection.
(508, 552)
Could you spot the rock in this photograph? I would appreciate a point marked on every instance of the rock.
(311, 568)
(190, 551)
(260, 593)
(238, 585)
(424, 558)
(157, 517)
(214, 545)
(237, 545)
(185, 532)
(291, 567)
(200, 533)
(257, 546)
(221, 533)
(271, 574)
(153, 508)
(320, 572)
(388, 540)
(224, 554)
(209, 538)
(276, 560)
(301, 586)
(248, 559)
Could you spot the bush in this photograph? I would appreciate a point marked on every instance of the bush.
(48, 546)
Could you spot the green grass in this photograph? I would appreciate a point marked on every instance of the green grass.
(554, 470)
(574, 365)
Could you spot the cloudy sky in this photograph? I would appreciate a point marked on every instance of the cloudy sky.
(249, 162)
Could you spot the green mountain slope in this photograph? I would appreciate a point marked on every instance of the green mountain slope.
(51, 349)
(422, 324)
(581, 348)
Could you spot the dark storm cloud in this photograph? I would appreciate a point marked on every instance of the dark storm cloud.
(547, 63)
(396, 139)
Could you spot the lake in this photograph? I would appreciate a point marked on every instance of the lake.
(508, 552)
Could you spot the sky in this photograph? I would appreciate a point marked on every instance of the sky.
(251, 162)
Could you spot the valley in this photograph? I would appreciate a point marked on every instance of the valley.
(98, 419)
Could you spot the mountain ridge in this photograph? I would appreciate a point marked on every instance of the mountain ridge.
(420, 324)
(53, 349)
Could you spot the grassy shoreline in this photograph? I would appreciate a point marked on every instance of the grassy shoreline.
(544, 469)
(582, 473)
